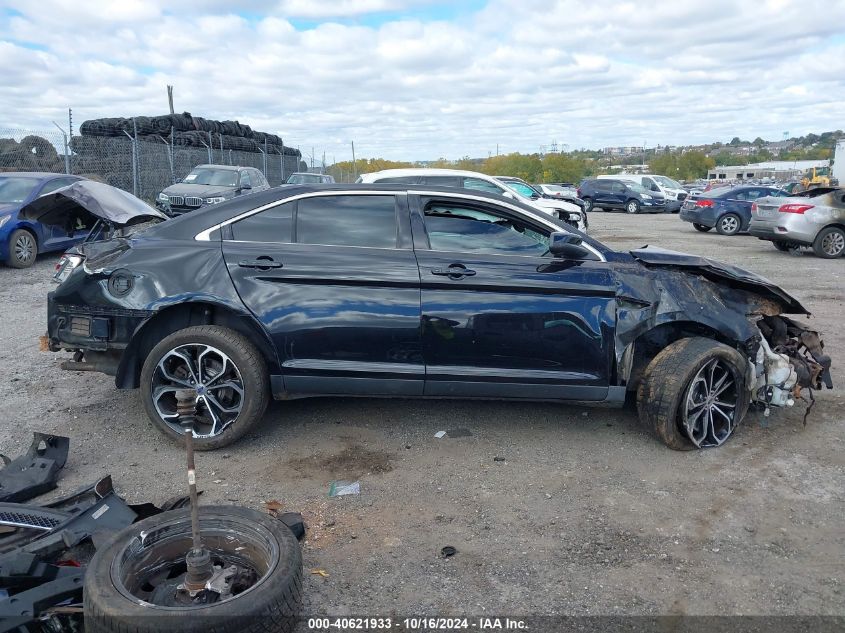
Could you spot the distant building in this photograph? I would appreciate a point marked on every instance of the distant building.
(780, 169)
(623, 151)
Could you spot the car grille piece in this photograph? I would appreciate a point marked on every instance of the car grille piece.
(682, 196)
(80, 326)
(192, 201)
(177, 200)
(33, 520)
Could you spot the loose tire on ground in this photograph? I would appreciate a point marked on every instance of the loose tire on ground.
(249, 362)
(701, 227)
(270, 605)
(830, 243)
(667, 380)
(23, 249)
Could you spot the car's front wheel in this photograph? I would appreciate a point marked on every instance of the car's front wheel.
(830, 243)
(701, 227)
(23, 249)
(226, 374)
(692, 394)
(632, 206)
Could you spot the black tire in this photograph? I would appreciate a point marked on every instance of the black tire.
(23, 249)
(248, 362)
(632, 206)
(270, 605)
(701, 227)
(728, 224)
(588, 205)
(668, 379)
(783, 247)
(830, 243)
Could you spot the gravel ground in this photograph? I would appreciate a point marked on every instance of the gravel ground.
(553, 509)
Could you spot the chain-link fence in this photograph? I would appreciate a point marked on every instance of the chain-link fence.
(142, 165)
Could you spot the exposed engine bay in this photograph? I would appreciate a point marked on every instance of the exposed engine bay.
(789, 360)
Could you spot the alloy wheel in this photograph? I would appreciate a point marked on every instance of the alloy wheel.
(214, 378)
(709, 411)
(833, 244)
(632, 207)
(24, 247)
(729, 225)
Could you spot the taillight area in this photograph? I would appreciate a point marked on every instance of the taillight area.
(65, 266)
(753, 207)
(704, 203)
(578, 192)
(795, 208)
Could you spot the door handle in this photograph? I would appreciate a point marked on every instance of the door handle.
(455, 271)
(261, 263)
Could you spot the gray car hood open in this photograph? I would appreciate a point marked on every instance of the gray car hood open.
(86, 201)
(719, 271)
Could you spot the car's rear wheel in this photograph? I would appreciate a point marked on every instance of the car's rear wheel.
(227, 374)
(701, 227)
(830, 243)
(23, 249)
(728, 224)
(692, 394)
(632, 206)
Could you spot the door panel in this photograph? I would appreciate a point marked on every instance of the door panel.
(344, 319)
(515, 325)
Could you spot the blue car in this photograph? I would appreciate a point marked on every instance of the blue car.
(22, 240)
(727, 209)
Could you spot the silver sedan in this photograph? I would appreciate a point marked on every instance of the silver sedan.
(814, 218)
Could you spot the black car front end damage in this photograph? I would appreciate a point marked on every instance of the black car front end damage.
(684, 295)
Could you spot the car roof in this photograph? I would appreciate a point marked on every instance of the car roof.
(43, 175)
(427, 171)
(188, 225)
(226, 167)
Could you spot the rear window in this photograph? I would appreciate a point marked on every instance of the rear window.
(347, 221)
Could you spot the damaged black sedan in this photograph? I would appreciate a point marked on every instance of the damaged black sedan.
(397, 290)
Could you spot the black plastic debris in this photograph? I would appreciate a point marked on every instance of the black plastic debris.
(448, 551)
(35, 472)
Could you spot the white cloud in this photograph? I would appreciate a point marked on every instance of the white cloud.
(519, 73)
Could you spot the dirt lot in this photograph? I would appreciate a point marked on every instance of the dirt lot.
(584, 512)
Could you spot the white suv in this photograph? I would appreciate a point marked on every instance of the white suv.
(566, 211)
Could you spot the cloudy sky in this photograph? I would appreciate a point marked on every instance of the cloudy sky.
(422, 79)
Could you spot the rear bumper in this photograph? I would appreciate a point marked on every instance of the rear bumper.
(699, 215)
(673, 206)
(789, 229)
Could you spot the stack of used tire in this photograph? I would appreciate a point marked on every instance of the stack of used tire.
(189, 131)
(31, 153)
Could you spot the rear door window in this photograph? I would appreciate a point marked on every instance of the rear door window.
(617, 187)
(347, 220)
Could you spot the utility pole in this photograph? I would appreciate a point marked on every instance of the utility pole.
(354, 165)
(170, 98)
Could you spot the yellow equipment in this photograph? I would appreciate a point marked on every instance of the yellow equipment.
(816, 177)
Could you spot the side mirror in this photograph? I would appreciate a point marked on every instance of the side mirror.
(567, 246)
(655, 187)
(246, 186)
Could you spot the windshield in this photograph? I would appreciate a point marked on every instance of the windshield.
(15, 189)
(521, 188)
(217, 177)
(304, 179)
(668, 182)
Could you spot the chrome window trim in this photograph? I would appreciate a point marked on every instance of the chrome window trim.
(205, 236)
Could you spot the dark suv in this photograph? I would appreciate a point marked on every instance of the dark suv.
(609, 194)
(421, 291)
(210, 184)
